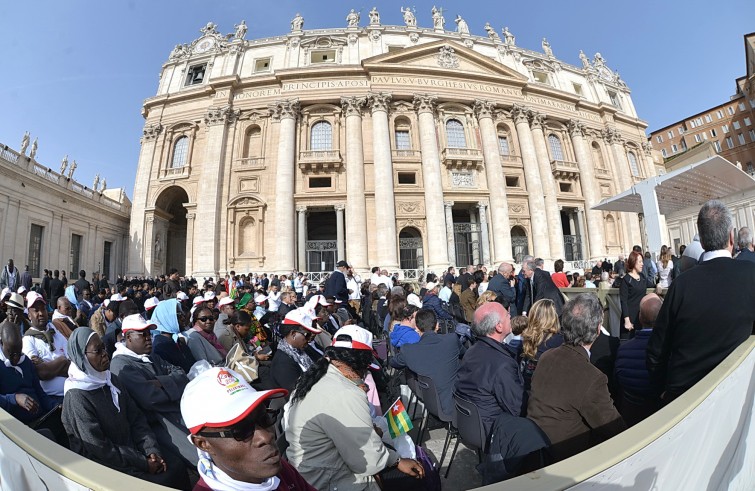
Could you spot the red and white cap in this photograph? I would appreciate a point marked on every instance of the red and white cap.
(32, 298)
(260, 299)
(151, 303)
(360, 338)
(220, 397)
(5, 293)
(135, 322)
(181, 296)
(117, 298)
(209, 296)
(198, 300)
(21, 290)
(225, 301)
(301, 317)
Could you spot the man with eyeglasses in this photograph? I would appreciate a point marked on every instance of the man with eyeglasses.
(154, 384)
(46, 347)
(233, 431)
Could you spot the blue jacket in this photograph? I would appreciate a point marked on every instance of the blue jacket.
(402, 335)
(434, 303)
(489, 377)
(631, 372)
(11, 383)
(336, 286)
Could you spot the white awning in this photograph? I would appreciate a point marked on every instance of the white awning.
(692, 185)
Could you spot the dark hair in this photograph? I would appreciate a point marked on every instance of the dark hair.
(518, 325)
(632, 260)
(356, 359)
(82, 273)
(396, 307)
(558, 265)
(375, 269)
(127, 307)
(172, 271)
(478, 276)
(426, 320)
(286, 329)
(238, 317)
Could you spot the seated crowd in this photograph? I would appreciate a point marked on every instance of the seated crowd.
(233, 385)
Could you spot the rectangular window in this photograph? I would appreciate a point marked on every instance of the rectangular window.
(713, 132)
(664, 153)
(741, 138)
(35, 249)
(681, 130)
(319, 182)
(541, 77)
(741, 106)
(730, 110)
(698, 138)
(671, 134)
(699, 121)
(717, 144)
(725, 128)
(503, 146)
(693, 124)
(615, 99)
(407, 178)
(752, 135)
(736, 125)
(327, 56)
(512, 182)
(705, 136)
(719, 114)
(577, 88)
(729, 142)
(748, 122)
(75, 258)
(107, 250)
(659, 139)
(262, 65)
(195, 75)
(402, 140)
(674, 148)
(708, 119)
(565, 187)
(395, 49)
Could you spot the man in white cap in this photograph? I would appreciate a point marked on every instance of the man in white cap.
(149, 306)
(154, 384)
(226, 309)
(46, 347)
(260, 309)
(274, 298)
(15, 311)
(233, 432)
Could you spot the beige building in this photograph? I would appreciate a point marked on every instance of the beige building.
(48, 220)
(405, 147)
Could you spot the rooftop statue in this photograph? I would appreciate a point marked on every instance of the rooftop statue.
(352, 20)
(547, 47)
(461, 25)
(33, 151)
(439, 21)
(241, 29)
(583, 58)
(409, 19)
(25, 143)
(297, 23)
(63, 164)
(508, 37)
(374, 17)
(491, 32)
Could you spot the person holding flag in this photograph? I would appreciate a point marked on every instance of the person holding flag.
(398, 419)
(329, 428)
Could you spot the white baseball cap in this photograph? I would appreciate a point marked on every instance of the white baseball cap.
(117, 298)
(151, 303)
(209, 296)
(360, 338)
(21, 290)
(225, 301)
(6, 292)
(301, 317)
(260, 298)
(32, 298)
(431, 285)
(198, 300)
(220, 397)
(135, 322)
(181, 296)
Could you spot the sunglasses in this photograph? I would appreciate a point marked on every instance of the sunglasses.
(245, 429)
(309, 335)
(205, 319)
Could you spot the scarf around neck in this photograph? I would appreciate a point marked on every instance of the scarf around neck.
(8, 364)
(298, 356)
(81, 374)
(122, 350)
(213, 340)
(217, 480)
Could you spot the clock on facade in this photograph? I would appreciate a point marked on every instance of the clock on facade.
(204, 45)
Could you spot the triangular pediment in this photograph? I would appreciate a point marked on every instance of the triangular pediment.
(441, 56)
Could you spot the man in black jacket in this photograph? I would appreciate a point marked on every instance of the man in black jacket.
(708, 311)
(335, 286)
(57, 288)
(502, 285)
(540, 286)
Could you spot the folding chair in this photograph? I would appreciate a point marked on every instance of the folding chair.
(470, 428)
(433, 408)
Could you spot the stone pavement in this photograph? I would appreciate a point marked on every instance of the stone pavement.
(463, 474)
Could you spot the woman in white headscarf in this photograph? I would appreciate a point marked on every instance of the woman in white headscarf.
(104, 424)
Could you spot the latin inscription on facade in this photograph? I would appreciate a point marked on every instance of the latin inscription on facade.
(446, 84)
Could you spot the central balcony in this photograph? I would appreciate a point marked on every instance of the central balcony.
(462, 158)
(565, 170)
(406, 155)
(320, 160)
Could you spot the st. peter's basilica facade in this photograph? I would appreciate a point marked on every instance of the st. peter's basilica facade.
(404, 147)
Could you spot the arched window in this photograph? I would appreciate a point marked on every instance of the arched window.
(322, 136)
(180, 152)
(519, 243)
(403, 137)
(455, 134)
(597, 156)
(252, 142)
(557, 152)
(633, 164)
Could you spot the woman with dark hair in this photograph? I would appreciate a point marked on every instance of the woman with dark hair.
(339, 449)
(168, 342)
(405, 330)
(294, 355)
(632, 288)
(203, 343)
(396, 306)
(559, 277)
(104, 424)
(236, 329)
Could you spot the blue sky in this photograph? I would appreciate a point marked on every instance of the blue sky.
(75, 72)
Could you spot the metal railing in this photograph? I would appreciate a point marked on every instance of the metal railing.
(450, 152)
(564, 169)
(406, 154)
(508, 159)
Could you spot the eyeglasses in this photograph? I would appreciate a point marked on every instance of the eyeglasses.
(309, 335)
(145, 333)
(245, 429)
(100, 351)
(205, 319)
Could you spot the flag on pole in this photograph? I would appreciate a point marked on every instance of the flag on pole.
(399, 421)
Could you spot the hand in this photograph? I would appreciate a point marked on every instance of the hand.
(36, 360)
(156, 464)
(27, 403)
(262, 356)
(412, 468)
(628, 325)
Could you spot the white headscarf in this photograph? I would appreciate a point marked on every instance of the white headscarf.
(122, 350)
(218, 480)
(88, 378)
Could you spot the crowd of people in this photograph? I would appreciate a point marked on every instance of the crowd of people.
(264, 382)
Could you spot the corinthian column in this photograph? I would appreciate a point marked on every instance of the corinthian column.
(340, 248)
(385, 204)
(499, 207)
(356, 218)
(589, 190)
(481, 207)
(552, 214)
(450, 239)
(438, 256)
(621, 164)
(137, 266)
(540, 241)
(301, 236)
(286, 111)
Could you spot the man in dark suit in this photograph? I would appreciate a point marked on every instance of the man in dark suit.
(335, 286)
(540, 286)
(569, 400)
(744, 242)
(708, 311)
(501, 285)
(57, 288)
(435, 356)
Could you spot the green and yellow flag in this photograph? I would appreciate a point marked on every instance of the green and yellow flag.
(399, 421)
